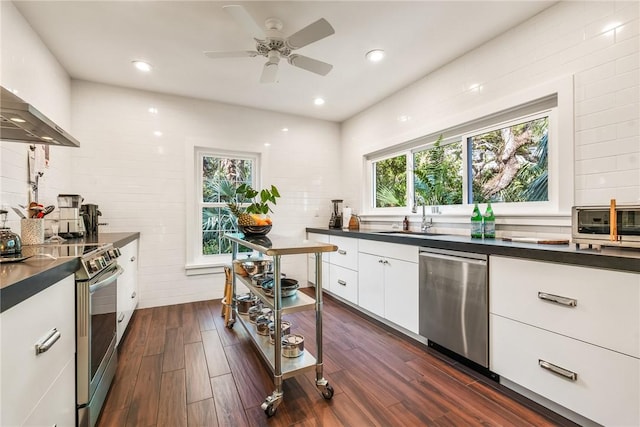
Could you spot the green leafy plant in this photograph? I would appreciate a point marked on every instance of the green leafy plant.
(259, 205)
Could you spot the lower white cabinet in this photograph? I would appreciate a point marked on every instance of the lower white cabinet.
(127, 299)
(343, 282)
(39, 388)
(597, 383)
(388, 282)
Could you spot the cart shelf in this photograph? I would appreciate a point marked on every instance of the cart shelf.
(292, 304)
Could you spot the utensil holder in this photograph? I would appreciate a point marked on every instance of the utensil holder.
(32, 231)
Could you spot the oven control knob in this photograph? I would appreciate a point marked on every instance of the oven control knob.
(117, 252)
(91, 266)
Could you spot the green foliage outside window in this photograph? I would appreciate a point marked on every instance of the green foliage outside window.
(510, 164)
(391, 182)
(220, 178)
(438, 174)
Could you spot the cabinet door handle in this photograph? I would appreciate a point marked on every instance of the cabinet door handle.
(133, 295)
(49, 340)
(557, 299)
(558, 370)
(120, 317)
(381, 261)
(133, 259)
(342, 252)
(385, 262)
(342, 282)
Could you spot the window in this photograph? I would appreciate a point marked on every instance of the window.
(220, 174)
(502, 158)
(437, 173)
(390, 182)
(509, 164)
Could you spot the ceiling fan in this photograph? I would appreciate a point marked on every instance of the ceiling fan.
(274, 46)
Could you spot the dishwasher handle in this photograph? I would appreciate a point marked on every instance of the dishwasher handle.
(466, 257)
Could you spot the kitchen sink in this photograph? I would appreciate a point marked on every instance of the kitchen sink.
(410, 233)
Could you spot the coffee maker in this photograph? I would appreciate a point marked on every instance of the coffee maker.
(336, 215)
(70, 222)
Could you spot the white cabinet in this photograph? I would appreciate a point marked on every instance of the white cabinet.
(343, 282)
(127, 286)
(388, 282)
(311, 261)
(39, 388)
(570, 334)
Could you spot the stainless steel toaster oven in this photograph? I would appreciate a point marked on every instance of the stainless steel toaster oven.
(597, 225)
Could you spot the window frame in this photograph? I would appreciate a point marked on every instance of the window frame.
(197, 262)
(552, 205)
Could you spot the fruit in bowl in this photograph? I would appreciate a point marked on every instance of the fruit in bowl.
(253, 219)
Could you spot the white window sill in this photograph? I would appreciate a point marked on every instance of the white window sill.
(208, 268)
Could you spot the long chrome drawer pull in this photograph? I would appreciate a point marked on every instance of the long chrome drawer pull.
(45, 343)
(569, 302)
(558, 370)
(121, 318)
(342, 282)
(342, 252)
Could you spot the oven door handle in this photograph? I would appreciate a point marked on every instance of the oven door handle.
(106, 282)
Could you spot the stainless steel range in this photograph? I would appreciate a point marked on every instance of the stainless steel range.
(96, 358)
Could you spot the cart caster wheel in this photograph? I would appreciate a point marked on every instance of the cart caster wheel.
(230, 325)
(270, 410)
(327, 393)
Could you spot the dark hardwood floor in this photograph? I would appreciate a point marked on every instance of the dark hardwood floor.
(179, 366)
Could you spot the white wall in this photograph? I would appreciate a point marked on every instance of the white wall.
(140, 181)
(564, 40)
(26, 65)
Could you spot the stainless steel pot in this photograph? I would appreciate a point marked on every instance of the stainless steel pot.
(257, 266)
(10, 243)
(292, 345)
(285, 327)
(262, 325)
(245, 302)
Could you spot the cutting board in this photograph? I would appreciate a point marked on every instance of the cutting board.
(538, 240)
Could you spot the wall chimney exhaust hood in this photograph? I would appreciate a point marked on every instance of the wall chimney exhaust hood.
(21, 122)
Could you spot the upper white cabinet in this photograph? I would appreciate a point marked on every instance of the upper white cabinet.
(570, 334)
(127, 286)
(38, 386)
(388, 281)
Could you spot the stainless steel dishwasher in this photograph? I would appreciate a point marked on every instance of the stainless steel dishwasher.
(453, 295)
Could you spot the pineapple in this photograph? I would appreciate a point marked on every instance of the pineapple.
(244, 218)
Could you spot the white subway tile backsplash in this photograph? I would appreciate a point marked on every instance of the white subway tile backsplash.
(628, 63)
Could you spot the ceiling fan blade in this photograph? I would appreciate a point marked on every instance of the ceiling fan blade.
(269, 73)
(235, 54)
(309, 34)
(246, 21)
(310, 64)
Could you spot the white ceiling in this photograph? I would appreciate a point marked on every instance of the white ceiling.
(97, 40)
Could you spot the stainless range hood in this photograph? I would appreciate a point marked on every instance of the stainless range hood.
(22, 122)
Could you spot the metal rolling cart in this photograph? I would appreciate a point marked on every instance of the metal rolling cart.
(282, 367)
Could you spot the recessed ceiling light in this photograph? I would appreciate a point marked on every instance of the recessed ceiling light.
(153, 110)
(16, 119)
(266, 144)
(142, 66)
(375, 55)
(285, 129)
(157, 133)
(318, 101)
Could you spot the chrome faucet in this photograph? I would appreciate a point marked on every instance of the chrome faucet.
(424, 225)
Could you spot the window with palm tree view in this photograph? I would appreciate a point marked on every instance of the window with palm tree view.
(504, 163)
(221, 176)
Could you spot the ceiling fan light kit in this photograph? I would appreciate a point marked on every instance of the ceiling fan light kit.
(272, 45)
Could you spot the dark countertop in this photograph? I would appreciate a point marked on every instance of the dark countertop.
(610, 258)
(21, 280)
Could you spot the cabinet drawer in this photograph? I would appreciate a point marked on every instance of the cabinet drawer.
(606, 389)
(607, 303)
(343, 283)
(25, 375)
(389, 250)
(347, 253)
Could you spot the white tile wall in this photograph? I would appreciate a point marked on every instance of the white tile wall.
(140, 180)
(566, 39)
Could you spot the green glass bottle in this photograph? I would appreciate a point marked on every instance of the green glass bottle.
(476, 223)
(489, 223)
